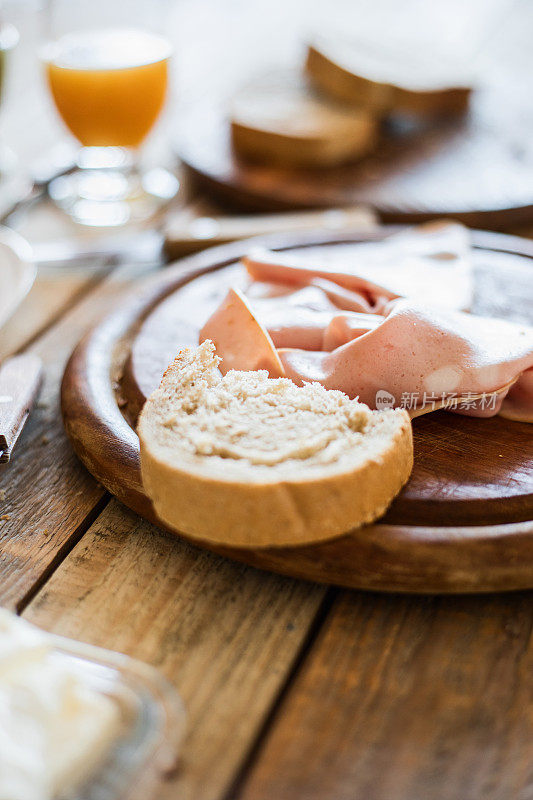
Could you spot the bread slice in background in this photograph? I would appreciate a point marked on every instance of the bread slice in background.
(278, 120)
(250, 461)
(366, 74)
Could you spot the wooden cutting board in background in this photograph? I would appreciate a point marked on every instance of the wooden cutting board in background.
(478, 169)
(462, 523)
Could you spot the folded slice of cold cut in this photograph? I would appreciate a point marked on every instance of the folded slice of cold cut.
(421, 357)
(429, 263)
(240, 339)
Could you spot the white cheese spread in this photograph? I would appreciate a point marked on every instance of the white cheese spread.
(54, 728)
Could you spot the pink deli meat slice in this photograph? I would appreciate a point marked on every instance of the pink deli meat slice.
(429, 263)
(421, 357)
(263, 265)
(240, 339)
(307, 318)
(348, 332)
(518, 405)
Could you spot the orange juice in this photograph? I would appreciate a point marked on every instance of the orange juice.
(109, 85)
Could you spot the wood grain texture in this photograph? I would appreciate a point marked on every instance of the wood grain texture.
(226, 635)
(45, 493)
(404, 699)
(49, 297)
(426, 556)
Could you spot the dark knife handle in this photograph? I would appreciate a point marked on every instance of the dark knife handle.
(20, 381)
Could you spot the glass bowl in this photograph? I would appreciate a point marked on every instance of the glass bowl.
(152, 723)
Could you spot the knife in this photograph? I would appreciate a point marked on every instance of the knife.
(188, 232)
(20, 381)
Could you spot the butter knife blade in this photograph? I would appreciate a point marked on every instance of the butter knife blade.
(139, 248)
(188, 234)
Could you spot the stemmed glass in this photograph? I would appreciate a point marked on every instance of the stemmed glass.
(107, 70)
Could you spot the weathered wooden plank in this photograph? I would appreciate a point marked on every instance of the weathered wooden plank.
(407, 699)
(226, 635)
(48, 298)
(45, 494)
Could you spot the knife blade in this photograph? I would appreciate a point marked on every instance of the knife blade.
(188, 233)
(144, 247)
(20, 381)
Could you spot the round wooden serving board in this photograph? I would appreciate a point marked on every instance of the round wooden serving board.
(462, 523)
(477, 168)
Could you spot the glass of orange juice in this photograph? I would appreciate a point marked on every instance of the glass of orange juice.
(109, 84)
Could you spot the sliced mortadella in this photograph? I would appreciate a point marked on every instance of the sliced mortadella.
(428, 263)
(342, 328)
(518, 404)
(310, 297)
(295, 326)
(470, 404)
(315, 330)
(306, 318)
(296, 318)
(420, 357)
(240, 339)
(347, 299)
(264, 265)
(266, 290)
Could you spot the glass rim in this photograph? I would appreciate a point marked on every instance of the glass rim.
(52, 48)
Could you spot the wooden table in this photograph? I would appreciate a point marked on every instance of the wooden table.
(294, 691)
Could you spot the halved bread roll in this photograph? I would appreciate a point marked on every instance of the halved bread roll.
(251, 461)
